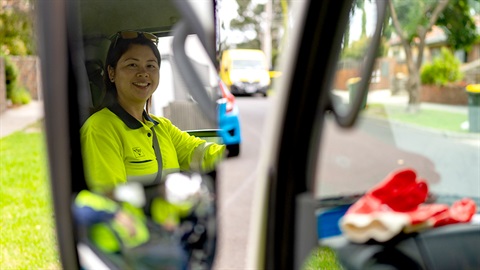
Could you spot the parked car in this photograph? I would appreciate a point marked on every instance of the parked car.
(229, 121)
(301, 180)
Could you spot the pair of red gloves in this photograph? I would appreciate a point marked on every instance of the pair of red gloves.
(397, 205)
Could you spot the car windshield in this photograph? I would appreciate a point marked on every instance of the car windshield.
(353, 161)
(247, 64)
(432, 129)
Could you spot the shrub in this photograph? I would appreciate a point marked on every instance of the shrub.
(443, 70)
(20, 95)
(11, 75)
(357, 49)
(17, 31)
(15, 93)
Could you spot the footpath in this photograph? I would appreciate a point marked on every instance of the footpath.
(18, 118)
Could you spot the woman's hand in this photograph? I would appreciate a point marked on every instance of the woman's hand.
(126, 221)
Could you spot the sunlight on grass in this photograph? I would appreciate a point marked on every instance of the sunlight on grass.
(27, 234)
(429, 118)
(322, 258)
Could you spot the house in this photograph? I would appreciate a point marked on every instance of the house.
(434, 41)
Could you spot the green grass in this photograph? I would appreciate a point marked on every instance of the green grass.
(27, 228)
(429, 118)
(322, 258)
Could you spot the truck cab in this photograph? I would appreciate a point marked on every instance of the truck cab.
(245, 71)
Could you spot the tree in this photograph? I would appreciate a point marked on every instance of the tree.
(361, 6)
(411, 26)
(279, 28)
(356, 49)
(248, 20)
(251, 22)
(16, 28)
(458, 24)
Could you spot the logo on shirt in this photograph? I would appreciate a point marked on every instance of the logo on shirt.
(137, 152)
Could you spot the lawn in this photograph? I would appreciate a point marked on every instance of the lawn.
(427, 118)
(322, 258)
(27, 228)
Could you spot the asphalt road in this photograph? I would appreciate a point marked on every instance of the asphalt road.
(237, 177)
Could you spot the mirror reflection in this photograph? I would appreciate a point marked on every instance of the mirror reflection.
(357, 39)
(149, 153)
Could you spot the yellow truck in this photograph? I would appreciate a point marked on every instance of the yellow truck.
(245, 71)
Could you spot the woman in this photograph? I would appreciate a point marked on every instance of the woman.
(117, 140)
(122, 143)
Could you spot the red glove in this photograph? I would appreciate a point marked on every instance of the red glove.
(399, 191)
(395, 205)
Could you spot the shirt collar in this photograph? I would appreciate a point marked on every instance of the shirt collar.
(128, 119)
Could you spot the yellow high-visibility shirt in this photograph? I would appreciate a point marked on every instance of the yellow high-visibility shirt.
(117, 148)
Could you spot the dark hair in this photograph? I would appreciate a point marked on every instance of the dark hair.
(115, 51)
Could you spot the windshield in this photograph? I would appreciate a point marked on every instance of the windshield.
(429, 125)
(247, 64)
(353, 161)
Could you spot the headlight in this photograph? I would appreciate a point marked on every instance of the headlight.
(265, 80)
(234, 77)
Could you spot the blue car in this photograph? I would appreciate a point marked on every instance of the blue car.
(228, 120)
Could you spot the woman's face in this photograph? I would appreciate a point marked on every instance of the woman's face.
(136, 75)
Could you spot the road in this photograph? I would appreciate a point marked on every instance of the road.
(236, 186)
(350, 161)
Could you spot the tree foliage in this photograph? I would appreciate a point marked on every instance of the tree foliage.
(248, 20)
(16, 30)
(444, 69)
(357, 49)
(455, 20)
(251, 23)
(412, 19)
(458, 24)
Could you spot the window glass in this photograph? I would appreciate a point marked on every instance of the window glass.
(414, 117)
(432, 129)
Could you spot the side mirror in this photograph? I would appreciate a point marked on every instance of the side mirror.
(67, 28)
(346, 113)
(197, 18)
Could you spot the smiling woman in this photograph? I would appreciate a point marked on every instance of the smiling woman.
(123, 145)
(117, 140)
(133, 74)
(115, 144)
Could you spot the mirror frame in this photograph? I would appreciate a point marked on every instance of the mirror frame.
(348, 118)
(60, 47)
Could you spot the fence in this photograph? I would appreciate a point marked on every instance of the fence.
(383, 73)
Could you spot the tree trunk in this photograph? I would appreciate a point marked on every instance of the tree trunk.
(413, 83)
(413, 88)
